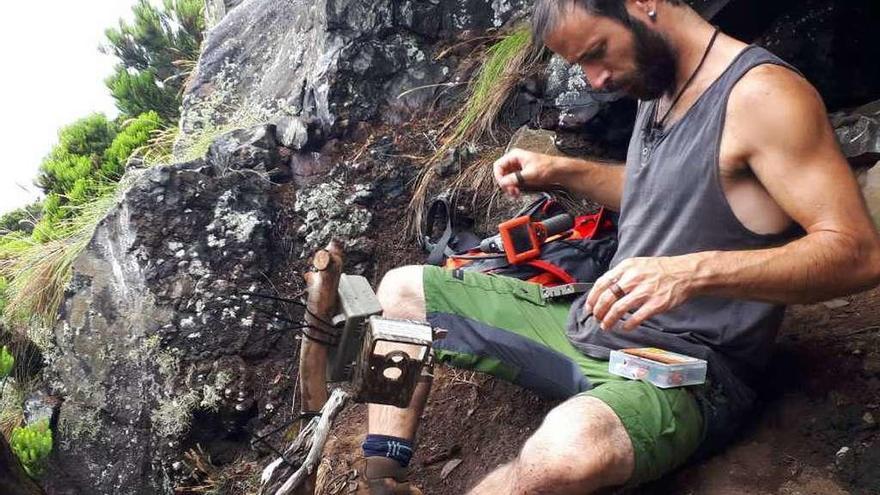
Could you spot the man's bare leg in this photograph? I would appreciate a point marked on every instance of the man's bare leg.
(402, 296)
(580, 447)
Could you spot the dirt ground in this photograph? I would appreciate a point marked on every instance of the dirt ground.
(816, 434)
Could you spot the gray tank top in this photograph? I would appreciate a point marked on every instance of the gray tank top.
(673, 204)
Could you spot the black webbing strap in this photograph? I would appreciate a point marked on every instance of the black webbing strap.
(439, 249)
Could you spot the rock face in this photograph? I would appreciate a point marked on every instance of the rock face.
(335, 61)
(858, 132)
(588, 122)
(832, 43)
(159, 327)
(870, 182)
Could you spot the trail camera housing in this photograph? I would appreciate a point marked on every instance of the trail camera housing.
(382, 357)
(357, 302)
(393, 355)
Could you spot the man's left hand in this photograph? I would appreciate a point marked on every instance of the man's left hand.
(644, 287)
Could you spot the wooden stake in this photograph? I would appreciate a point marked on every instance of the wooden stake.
(322, 286)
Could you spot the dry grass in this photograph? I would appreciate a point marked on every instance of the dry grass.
(463, 377)
(38, 273)
(11, 406)
(208, 478)
(189, 148)
(159, 148)
(505, 63)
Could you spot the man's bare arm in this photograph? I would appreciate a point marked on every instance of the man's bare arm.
(600, 182)
(792, 149)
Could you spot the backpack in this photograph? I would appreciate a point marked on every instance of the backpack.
(581, 256)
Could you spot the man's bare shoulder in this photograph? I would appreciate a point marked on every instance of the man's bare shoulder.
(773, 81)
(772, 102)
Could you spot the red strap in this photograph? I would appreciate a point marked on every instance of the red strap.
(561, 274)
(589, 226)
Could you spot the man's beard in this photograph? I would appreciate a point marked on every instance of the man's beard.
(656, 63)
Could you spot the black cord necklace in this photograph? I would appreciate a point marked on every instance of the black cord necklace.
(655, 126)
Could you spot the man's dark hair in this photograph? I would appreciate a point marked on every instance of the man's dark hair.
(546, 13)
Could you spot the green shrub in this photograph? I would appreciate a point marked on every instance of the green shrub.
(78, 154)
(7, 361)
(156, 51)
(138, 93)
(62, 169)
(4, 284)
(22, 219)
(135, 135)
(32, 444)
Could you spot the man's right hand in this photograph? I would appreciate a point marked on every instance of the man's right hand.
(534, 170)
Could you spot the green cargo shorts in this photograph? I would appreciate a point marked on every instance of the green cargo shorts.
(504, 327)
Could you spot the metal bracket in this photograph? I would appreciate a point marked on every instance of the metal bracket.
(357, 302)
(565, 290)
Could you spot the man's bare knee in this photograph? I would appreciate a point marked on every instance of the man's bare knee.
(581, 446)
(401, 293)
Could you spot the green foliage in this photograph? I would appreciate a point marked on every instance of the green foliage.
(32, 444)
(156, 50)
(6, 362)
(4, 284)
(77, 156)
(88, 136)
(22, 219)
(138, 93)
(135, 135)
(89, 158)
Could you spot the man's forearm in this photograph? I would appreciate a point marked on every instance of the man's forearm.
(600, 182)
(818, 267)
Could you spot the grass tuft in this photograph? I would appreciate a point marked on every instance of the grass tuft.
(38, 273)
(505, 63)
(11, 406)
(159, 149)
(192, 146)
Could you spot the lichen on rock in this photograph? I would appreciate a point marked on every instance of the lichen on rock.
(326, 215)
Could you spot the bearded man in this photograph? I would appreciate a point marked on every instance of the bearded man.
(734, 201)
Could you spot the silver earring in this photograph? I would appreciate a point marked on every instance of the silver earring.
(653, 15)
